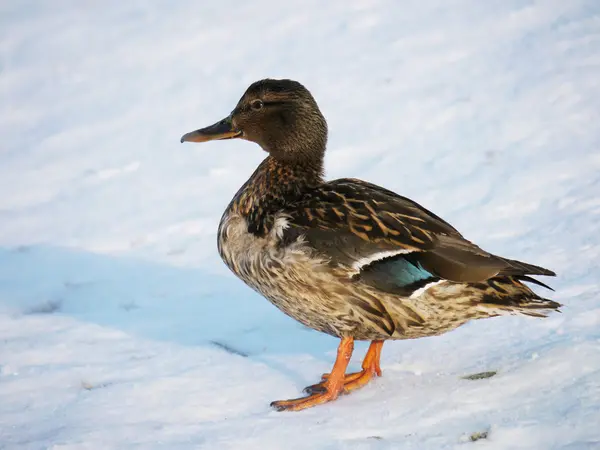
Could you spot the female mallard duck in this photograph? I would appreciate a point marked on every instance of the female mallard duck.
(347, 257)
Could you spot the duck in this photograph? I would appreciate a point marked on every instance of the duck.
(347, 257)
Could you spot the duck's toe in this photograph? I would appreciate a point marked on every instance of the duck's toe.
(301, 403)
(352, 381)
(320, 387)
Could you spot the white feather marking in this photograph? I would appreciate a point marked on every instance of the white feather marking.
(362, 262)
(281, 224)
(420, 291)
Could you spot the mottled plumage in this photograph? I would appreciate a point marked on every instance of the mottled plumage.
(347, 257)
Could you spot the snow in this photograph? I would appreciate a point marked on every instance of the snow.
(120, 326)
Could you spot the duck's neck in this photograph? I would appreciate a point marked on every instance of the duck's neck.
(272, 186)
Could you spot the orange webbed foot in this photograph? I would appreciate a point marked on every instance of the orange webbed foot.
(301, 403)
(332, 388)
(352, 381)
(336, 383)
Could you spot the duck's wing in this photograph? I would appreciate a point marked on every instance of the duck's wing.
(389, 241)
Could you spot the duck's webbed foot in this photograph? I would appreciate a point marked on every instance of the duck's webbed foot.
(352, 381)
(301, 403)
(356, 380)
(337, 382)
(332, 387)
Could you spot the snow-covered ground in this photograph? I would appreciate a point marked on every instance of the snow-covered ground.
(120, 327)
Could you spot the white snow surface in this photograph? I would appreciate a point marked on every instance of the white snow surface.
(116, 313)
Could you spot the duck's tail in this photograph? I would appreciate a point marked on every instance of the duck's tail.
(510, 295)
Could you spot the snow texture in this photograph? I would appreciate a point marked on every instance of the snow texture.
(121, 328)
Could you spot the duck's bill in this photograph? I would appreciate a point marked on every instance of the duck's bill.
(220, 130)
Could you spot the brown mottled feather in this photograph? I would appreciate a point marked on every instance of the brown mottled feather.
(358, 219)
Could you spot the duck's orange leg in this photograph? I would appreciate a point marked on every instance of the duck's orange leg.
(332, 387)
(352, 381)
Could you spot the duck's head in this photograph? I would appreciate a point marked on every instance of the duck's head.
(279, 115)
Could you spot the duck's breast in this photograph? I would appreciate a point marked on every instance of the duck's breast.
(248, 255)
(292, 277)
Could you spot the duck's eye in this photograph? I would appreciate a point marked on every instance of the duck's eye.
(257, 105)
